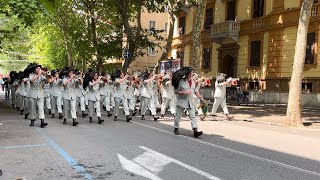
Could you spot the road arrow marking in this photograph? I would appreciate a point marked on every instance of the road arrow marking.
(150, 163)
(169, 159)
(133, 167)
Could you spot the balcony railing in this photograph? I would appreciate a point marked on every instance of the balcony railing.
(314, 11)
(228, 29)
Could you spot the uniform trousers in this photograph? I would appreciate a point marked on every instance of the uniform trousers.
(105, 100)
(7, 93)
(168, 102)
(80, 100)
(34, 104)
(147, 103)
(124, 101)
(92, 105)
(192, 117)
(56, 102)
(222, 102)
(47, 100)
(67, 104)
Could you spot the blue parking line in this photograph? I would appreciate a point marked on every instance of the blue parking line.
(72, 162)
(21, 146)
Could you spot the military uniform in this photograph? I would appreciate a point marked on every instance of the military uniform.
(69, 99)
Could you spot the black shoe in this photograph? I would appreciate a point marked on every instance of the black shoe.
(84, 114)
(155, 118)
(134, 112)
(75, 122)
(52, 115)
(49, 111)
(115, 118)
(128, 118)
(60, 116)
(176, 131)
(196, 133)
(32, 122)
(43, 124)
(26, 116)
(21, 112)
(90, 120)
(142, 117)
(100, 120)
(64, 121)
(162, 116)
(109, 114)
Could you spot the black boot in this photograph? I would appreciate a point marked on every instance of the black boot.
(43, 124)
(196, 133)
(49, 111)
(128, 118)
(109, 114)
(155, 118)
(176, 131)
(52, 115)
(100, 120)
(32, 122)
(26, 116)
(21, 112)
(84, 114)
(60, 116)
(142, 117)
(75, 122)
(90, 120)
(134, 112)
(162, 116)
(115, 118)
(64, 121)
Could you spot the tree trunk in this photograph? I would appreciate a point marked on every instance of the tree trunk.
(197, 34)
(293, 118)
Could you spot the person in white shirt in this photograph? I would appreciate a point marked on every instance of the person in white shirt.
(94, 96)
(220, 95)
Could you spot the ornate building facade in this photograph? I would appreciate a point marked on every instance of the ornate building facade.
(253, 40)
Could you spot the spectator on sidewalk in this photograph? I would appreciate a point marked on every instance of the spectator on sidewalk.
(220, 95)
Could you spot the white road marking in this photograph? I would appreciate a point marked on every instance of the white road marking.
(169, 159)
(152, 161)
(234, 151)
(136, 169)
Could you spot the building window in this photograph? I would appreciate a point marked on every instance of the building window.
(306, 87)
(315, 1)
(254, 85)
(206, 58)
(231, 11)
(182, 25)
(152, 25)
(166, 28)
(208, 19)
(258, 8)
(255, 53)
(151, 51)
(310, 49)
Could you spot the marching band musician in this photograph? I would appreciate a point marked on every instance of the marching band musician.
(147, 96)
(25, 87)
(184, 87)
(69, 96)
(56, 93)
(47, 89)
(94, 96)
(80, 93)
(105, 92)
(220, 95)
(168, 96)
(120, 85)
(129, 95)
(37, 79)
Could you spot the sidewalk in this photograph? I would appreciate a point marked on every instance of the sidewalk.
(272, 114)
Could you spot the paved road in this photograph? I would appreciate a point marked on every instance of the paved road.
(149, 150)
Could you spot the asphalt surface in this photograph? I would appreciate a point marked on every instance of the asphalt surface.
(149, 150)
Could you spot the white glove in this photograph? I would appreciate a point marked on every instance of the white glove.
(229, 79)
